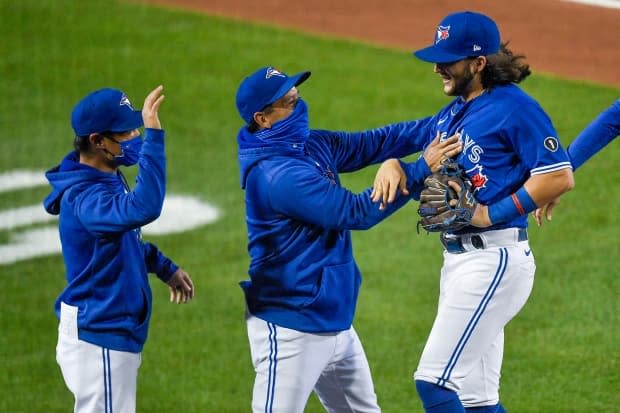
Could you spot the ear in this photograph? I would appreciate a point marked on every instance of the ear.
(95, 139)
(262, 120)
(480, 63)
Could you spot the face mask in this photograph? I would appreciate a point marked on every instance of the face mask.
(130, 151)
(294, 128)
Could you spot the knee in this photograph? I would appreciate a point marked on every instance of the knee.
(437, 399)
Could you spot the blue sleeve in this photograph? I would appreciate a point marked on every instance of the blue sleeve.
(102, 210)
(535, 139)
(416, 173)
(604, 129)
(309, 197)
(352, 151)
(158, 263)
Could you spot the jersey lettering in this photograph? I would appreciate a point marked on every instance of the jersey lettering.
(474, 149)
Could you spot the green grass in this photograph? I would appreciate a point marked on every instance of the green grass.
(561, 351)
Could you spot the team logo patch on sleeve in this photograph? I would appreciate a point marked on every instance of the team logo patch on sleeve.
(551, 143)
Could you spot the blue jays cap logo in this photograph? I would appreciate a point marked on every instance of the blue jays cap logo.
(273, 72)
(125, 101)
(443, 32)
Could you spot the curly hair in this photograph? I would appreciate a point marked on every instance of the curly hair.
(504, 67)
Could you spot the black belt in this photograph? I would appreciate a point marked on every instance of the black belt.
(458, 244)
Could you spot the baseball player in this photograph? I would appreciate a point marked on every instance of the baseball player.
(304, 281)
(515, 162)
(105, 308)
(600, 132)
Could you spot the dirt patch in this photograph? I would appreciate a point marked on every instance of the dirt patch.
(571, 40)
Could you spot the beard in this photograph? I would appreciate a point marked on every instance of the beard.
(462, 83)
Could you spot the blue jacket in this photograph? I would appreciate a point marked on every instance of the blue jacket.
(302, 272)
(105, 258)
(601, 131)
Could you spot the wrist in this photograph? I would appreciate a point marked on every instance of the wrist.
(481, 217)
(513, 206)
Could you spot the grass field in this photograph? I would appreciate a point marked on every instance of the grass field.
(562, 351)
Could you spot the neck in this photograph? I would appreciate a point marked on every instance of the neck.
(473, 94)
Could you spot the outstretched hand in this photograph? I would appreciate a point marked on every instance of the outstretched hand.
(389, 181)
(181, 287)
(150, 114)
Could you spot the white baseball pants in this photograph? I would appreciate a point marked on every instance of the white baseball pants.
(101, 380)
(289, 364)
(480, 292)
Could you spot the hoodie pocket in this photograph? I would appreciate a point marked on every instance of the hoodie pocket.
(337, 291)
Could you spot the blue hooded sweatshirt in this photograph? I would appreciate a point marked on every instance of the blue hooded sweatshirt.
(105, 258)
(302, 272)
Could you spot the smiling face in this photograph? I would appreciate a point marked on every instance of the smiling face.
(462, 78)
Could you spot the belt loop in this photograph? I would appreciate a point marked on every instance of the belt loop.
(478, 241)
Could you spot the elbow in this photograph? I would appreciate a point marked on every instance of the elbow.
(153, 215)
(354, 225)
(364, 226)
(149, 212)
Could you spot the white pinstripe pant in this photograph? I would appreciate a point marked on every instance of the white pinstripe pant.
(480, 292)
(101, 380)
(290, 364)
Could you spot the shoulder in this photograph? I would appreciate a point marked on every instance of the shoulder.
(324, 136)
(513, 96)
(91, 189)
(510, 102)
(279, 169)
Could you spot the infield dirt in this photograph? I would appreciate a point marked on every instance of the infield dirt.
(571, 40)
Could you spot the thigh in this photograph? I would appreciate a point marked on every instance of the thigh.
(480, 292)
(346, 386)
(287, 363)
(100, 379)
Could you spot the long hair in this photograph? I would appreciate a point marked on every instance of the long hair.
(504, 67)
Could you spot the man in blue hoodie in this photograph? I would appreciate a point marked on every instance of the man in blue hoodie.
(105, 308)
(304, 281)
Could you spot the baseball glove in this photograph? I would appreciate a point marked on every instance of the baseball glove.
(441, 207)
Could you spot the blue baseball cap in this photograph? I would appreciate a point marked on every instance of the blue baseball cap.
(105, 110)
(264, 87)
(461, 35)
